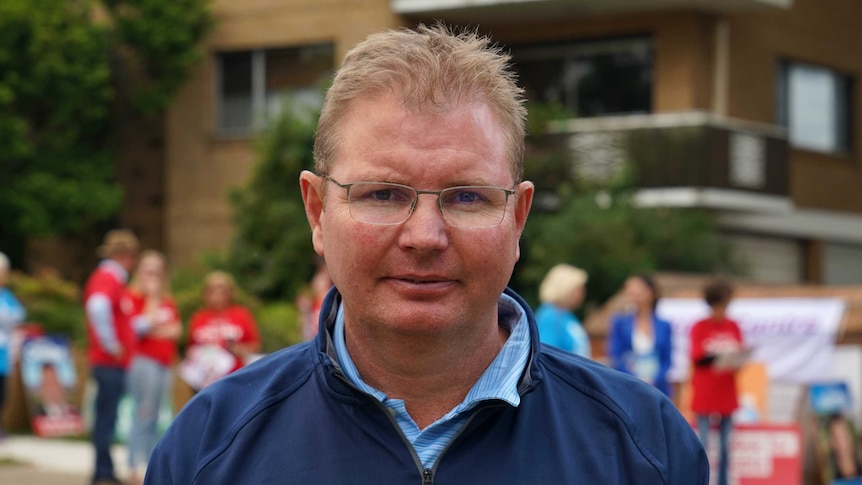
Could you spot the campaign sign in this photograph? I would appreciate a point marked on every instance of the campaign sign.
(830, 398)
(48, 373)
(760, 454)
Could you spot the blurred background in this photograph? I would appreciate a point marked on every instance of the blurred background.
(681, 137)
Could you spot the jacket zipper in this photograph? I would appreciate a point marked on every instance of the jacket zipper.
(427, 473)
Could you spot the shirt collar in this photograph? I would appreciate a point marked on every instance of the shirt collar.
(116, 269)
(499, 381)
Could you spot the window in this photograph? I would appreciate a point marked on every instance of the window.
(598, 78)
(814, 105)
(252, 85)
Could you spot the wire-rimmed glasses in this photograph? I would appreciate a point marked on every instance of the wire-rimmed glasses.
(384, 203)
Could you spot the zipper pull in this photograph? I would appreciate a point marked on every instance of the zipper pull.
(427, 477)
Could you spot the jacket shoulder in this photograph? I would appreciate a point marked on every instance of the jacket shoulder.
(650, 421)
(218, 413)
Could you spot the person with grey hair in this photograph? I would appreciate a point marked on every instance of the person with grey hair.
(426, 368)
(12, 313)
(561, 292)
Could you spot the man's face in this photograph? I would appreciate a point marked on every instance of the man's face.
(422, 277)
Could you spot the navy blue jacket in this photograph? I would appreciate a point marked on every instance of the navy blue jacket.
(619, 345)
(292, 417)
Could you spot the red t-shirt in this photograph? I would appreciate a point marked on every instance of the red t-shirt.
(713, 391)
(218, 327)
(106, 279)
(162, 350)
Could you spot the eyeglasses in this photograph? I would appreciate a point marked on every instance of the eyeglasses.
(467, 206)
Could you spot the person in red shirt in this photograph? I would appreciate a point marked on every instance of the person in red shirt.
(223, 323)
(716, 350)
(111, 342)
(154, 317)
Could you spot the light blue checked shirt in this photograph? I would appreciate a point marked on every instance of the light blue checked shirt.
(500, 381)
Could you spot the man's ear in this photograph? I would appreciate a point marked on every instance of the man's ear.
(525, 191)
(313, 200)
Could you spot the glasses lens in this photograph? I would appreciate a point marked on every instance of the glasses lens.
(474, 206)
(380, 203)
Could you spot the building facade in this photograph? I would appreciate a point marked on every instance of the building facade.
(745, 107)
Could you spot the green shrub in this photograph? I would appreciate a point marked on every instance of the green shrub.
(51, 302)
(279, 326)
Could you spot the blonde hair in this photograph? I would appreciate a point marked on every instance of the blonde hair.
(135, 283)
(427, 68)
(560, 282)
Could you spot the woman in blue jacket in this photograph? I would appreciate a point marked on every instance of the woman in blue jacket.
(640, 343)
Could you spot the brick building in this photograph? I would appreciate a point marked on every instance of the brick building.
(745, 107)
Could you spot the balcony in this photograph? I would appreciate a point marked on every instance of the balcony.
(676, 159)
(485, 10)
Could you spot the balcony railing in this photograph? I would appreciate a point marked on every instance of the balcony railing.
(483, 9)
(679, 150)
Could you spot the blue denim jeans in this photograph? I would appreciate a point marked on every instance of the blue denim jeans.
(725, 424)
(148, 383)
(111, 382)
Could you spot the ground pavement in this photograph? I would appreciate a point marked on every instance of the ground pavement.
(29, 460)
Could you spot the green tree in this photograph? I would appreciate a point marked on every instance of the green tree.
(272, 255)
(72, 74)
(600, 229)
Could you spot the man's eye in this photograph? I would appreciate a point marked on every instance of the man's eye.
(465, 197)
(381, 195)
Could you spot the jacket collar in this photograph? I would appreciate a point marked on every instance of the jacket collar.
(325, 345)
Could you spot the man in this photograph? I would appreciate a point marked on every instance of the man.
(426, 369)
(111, 341)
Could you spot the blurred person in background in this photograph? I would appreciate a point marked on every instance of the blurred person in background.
(309, 304)
(639, 342)
(561, 292)
(154, 317)
(716, 343)
(12, 313)
(111, 342)
(223, 323)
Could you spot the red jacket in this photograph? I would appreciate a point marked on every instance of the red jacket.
(162, 350)
(713, 391)
(109, 280)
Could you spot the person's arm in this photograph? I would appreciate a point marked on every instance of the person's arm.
(142, 324)
(582, 342)
(617, 345)
(665, 350)
(249, 343)
(169, 330)
(698, 354)
(100, 317)
(12, 312)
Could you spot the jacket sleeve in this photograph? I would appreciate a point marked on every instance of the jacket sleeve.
(686, 460)
(665, 350)
(617, 344)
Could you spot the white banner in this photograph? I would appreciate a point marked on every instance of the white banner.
(794, 337)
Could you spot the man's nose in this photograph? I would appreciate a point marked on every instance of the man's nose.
(425, 229)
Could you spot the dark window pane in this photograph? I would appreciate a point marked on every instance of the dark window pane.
(297, 72)
(589, 78)
(235, 97)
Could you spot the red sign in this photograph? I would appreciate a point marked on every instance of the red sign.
(760, 454)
